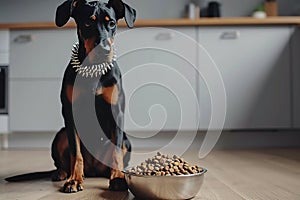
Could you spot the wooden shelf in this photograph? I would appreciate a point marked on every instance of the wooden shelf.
(173, 22)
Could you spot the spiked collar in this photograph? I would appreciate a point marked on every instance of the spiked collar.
(89, 71)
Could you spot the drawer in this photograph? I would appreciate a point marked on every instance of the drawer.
(4, 58)
(159, 78)
(40, 53)
(254, 63)
(4, 41)
(3, 124)
(179, 41)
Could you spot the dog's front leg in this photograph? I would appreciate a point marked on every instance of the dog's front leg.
(75, 182)
(115, 98)
(117, 181)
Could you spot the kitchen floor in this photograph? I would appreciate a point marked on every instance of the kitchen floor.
(232, 174)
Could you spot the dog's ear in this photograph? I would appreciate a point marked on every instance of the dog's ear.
(64, 11)
(123, 10)
(130, 15)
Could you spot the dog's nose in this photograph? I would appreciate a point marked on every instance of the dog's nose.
(105, 45)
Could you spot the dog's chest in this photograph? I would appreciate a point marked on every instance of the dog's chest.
(87, 86)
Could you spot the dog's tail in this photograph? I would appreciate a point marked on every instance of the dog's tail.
(31, 176)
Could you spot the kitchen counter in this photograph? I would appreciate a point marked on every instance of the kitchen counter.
(174, 22)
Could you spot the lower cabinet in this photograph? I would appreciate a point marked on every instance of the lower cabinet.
(159, 77)
(296, 78)
(168, 79)
(35, 105)
(38, 59)
(254, 64)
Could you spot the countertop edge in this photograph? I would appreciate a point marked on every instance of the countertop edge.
(243, 21)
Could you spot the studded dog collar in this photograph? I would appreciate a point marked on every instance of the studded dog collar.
(91, 71)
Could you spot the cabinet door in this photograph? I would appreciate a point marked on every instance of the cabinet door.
(296, 78)
(35, 105)
(159, 78)
(3, 124)
(255, 66)
(40, 53)
(4, 47)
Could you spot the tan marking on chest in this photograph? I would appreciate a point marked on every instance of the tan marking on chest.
(72, 93)
(109, 94)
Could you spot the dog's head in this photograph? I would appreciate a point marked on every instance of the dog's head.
(96, 24)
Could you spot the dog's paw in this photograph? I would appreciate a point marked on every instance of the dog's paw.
(118, 184)
(72, 186)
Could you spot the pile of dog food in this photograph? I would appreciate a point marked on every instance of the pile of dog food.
(165, 165)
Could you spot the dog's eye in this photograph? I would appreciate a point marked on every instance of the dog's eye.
(111, 24)
(88, 23)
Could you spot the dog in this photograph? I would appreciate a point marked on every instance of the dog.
(93, 63)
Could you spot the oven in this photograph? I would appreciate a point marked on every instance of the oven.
(3, 89)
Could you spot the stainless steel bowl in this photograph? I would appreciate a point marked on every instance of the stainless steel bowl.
(164, 187)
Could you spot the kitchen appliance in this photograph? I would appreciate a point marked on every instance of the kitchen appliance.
(3, 89)
(213, 9)
(271, 8)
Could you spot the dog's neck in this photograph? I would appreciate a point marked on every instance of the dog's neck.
(89, 71)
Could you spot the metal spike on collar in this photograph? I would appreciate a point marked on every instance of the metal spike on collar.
(89, 71)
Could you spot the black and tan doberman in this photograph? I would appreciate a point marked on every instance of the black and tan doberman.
(94, 67)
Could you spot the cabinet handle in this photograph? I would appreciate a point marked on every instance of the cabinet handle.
(164, 36)
(23, 39)
(230, 35)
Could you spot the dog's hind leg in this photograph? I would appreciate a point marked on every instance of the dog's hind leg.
(60, 153)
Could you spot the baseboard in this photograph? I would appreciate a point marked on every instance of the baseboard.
(227, 140)
(33, 140)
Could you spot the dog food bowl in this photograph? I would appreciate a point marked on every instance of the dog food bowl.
(164, 187)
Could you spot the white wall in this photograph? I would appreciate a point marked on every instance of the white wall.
(44, 10)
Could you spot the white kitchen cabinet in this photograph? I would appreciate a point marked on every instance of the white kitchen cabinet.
(163, 88)
(40, 53)
(4, 49)
(159, 78)
(35, 105)
(4, 46)
(254, 63)
(296, 77)
(38, 59)
(158, 75)
(3, 124)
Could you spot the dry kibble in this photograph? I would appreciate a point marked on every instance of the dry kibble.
(161, 161)
(158, 174)
(165, 165)
(166, 168)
